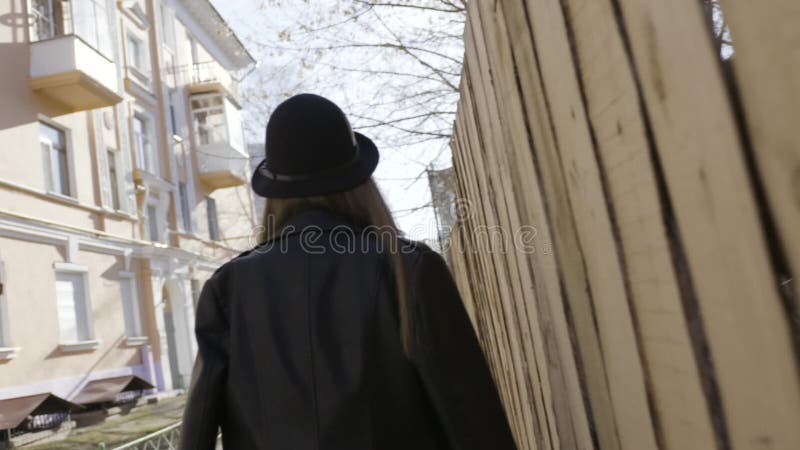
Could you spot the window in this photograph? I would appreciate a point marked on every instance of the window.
(171, 69)
(167, 26)
(130, 305)
(172, 117)
(48, 18)
(152, 223)
(176, 118)
(137, 57)
(143, 143)
(86, 19)
(173, 120)
(91, 24)
(209, 119)
(186, 212)
(113, 180)
(73, 306)
(213, 224)
(54, 151)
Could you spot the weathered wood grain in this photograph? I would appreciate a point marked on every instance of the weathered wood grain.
(766, 63)
(578, 303)
(543, 301)
(698, 143)
(620, 130)
(649, 315)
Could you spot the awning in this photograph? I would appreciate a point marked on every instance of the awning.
(107, 389)
(14, 411)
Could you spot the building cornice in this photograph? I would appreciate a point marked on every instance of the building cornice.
(68, 201)
(29, 228)
(201, 15)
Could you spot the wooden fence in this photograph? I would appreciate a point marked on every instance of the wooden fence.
(629, 226)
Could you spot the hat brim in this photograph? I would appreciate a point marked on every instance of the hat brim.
(338, 180)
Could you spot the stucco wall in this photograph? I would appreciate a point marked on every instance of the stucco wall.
(29, 273)
(31, 305)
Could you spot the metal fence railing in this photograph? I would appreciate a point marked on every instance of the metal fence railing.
(164, 439)
(208, 72)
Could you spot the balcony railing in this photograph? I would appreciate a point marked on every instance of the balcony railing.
(71, 57)
(207, 76)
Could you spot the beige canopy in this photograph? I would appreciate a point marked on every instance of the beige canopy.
(107, 389)
(14, 411)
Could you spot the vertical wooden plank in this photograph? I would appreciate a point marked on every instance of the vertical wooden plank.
(483, 134)
(542, 303)
(560, 220)
(576, 162)
(767, 65)
(613, 105)
(497, 345)
(490, 110)
(492, 344)
(708, 183)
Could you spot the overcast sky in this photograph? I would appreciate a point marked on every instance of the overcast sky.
(399, 167)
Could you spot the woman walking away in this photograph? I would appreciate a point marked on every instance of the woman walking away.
(334, 333)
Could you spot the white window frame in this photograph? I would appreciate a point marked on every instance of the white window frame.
(138, 64)
(6, 350)
(168, 35)
(113, 157)
(156, 205)
(134, 331)
(48, 168)
(89, 343)
(47, 19)
(196, 123)
(98, 13)
(148, 161)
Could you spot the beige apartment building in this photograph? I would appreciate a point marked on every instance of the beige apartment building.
(123, 186)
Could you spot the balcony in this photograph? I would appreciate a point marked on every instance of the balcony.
(207, 77)
(222, 160)
(221, 165)
(71, 64)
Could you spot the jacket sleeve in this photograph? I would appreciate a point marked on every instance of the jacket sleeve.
(204, 406)
(451, 363)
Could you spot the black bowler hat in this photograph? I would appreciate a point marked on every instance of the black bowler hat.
(312, 150)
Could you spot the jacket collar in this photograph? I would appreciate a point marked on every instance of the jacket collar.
(314, 219)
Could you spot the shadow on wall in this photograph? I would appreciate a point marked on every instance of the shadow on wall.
(16, 21)
(57, 352)
(23, 105)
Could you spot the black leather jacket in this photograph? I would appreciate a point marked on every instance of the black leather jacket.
(299, 349)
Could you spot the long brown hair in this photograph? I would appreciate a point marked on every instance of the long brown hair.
(362, 206)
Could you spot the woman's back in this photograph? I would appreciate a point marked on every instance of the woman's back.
(321, 339)
(318, 360)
